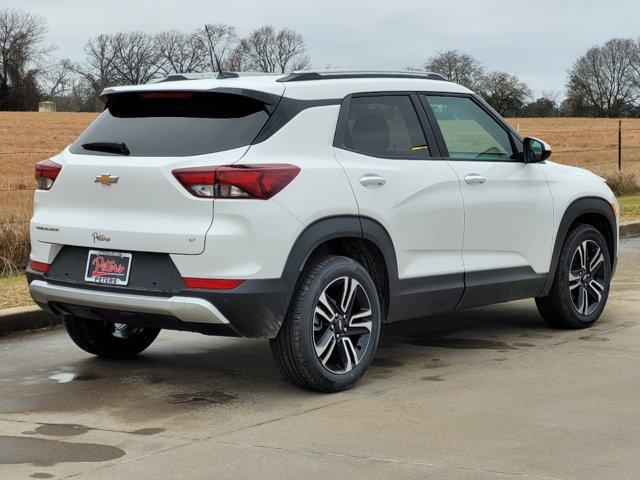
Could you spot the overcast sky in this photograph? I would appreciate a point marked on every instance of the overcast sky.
(535, 39)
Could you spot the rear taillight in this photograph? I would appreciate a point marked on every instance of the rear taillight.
(237, 181)
(46, 173)
(39, 266)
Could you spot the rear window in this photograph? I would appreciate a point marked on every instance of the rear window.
(385, 126)
(174, 124)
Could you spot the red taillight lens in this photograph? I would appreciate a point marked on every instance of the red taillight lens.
(46, 173)
(237, 181)
(212, 283)
(39, 266)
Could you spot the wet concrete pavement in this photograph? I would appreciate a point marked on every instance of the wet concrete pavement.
(487, 393)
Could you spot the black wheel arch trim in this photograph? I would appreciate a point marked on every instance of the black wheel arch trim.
(341, 226)
(579, 207)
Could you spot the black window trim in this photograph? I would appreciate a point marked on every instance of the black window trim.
(433, 153)
(512, 134)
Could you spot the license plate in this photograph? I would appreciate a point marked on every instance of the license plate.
(108, 267)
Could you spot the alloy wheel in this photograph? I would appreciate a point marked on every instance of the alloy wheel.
(342, 324)
(587, 277)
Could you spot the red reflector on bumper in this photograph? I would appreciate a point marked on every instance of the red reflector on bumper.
(212, 283)
(39, 266)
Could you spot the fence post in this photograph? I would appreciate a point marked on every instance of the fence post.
(619, 145)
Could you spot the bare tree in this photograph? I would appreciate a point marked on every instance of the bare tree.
(291, 51)
(457, 67)
(237, 61)
(271, 51)
(181, 52)
(602, 81)
(97, 70)
(56, 80)
(136, 57)
(219, 43)
(22, 53)
(504, 92)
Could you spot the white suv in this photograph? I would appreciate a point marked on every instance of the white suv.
(309, 209)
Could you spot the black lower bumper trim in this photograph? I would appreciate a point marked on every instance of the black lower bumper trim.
(254, 309)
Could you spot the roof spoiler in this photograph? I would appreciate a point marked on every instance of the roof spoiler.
(269, 99)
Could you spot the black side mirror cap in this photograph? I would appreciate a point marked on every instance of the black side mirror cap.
(535, 150)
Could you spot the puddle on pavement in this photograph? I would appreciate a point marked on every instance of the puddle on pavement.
(202, 397)
(46, 453)
(148, 431)
(56, 376)
(64, 377)
(70, 430)
(594, 339)
(536, 335)
(59, 430)
(461, 343)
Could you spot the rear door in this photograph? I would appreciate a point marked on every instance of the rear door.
(388, 153)
(116, 189)
(508, 205)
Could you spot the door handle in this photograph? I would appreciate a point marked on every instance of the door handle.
(474, 179)
(371, 180)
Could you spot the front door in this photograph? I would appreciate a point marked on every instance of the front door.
(508, 205)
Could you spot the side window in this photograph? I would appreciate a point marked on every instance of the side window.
(469, 132)
(386, 126)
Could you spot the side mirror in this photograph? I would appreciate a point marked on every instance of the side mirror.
(535, 150)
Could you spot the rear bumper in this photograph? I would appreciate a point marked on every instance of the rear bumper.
(255, 309)
(186, 309)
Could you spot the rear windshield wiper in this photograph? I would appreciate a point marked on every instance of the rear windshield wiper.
(110, 147)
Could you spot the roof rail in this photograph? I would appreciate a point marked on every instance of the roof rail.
(176, 77)
(305, 75)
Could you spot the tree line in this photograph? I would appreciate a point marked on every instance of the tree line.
(604, 82)
(29, 73)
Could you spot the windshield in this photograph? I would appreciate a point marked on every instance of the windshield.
(173, 124)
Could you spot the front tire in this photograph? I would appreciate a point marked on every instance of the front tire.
(109, 340)
(330, 334)
(580, 288)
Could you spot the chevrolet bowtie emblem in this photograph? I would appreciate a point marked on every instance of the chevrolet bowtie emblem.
(106, 179)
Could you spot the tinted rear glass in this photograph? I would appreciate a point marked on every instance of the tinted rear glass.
(175, 124)
(385, 126)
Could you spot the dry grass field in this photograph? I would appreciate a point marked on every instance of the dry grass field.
(587, 142)
(26, 137)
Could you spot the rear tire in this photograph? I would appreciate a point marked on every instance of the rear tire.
(580, 288)
(109, 340)
(330, 333)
